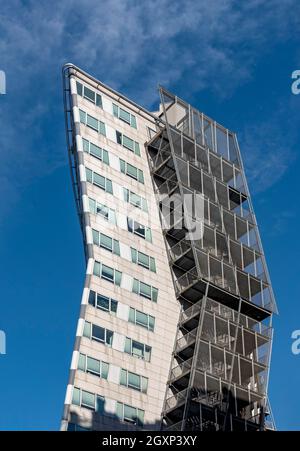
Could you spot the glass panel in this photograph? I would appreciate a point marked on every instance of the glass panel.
(100, 407)
(123, 377)
(85, 145)
(96, 151)
(102, 128)
(131, 316)
(87, 329)
(151, 322)
(133, 121)
(89, 94)
(95, 237)
(102, 302)
(124, 115)
(92, 122)
(81, 362)
(118, 277)
(99, 180)
(76, 396)
(79, 88)
(145, 290)
(143, 260)
(130, 414)
(92, 298)
(132, 171)
(115, 110)
(142, 319)
(113, 306)
(127, 347)
(93, 365)
(154, 294)
(82, 115)
(107, 273)
(89, 175)
(109, 337)
(137, 149)
(128, 143)
(98, 333)
(104, 370)
(92, 206)
(98, 100)
(134, 381)
(119, 410)
(106, 242)
(88, 399)
(144, 385)
(137, 349)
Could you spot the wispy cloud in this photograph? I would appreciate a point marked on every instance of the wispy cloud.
(269, 147)
(130, 45)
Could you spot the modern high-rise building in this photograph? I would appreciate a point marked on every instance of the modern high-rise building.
(175, 324)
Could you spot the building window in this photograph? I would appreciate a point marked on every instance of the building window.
(131, 171)
(106, 242)
(92, 122)
(124, 115)
(93, 366)
(142, 259)
(100, 181)
(88, 94)
(130, 414)
(88, 400)
(132, 380)
(137, 349)
(145, 290)
(139, 229)
(96, 151)
(128, 143)
(99, 209)
(97, 333)
(141, 319)
(103, 302)
(135, 199)
(107, 273)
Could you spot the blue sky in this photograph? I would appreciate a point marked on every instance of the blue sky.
(233, 60)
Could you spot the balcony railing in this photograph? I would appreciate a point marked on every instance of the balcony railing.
(181, 369)
(190, 312)
(186, 340)
(186, 280)
(179, 249)
(176, 400)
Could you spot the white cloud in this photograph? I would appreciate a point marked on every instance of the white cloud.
(131, 45)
